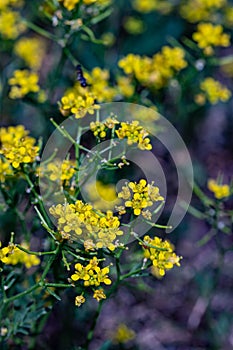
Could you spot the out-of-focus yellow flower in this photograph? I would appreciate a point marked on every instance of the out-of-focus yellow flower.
(58, 170)
(204, 9)
(103, 196)
(31, 50)
(134, 25)
(71, 4)
(5, 170)
(16, 146)
(215, 91)
(161, 253)
(125, 86)
(108, 39)
(12, 255)
(11, 25)
(22, 83)
(146, 6)
(209, 36)
(154, 72)
(220, 191)
(4, 4)
(123, 334)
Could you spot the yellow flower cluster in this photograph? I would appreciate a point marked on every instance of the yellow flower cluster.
(154, 72)
(103, 196)
(214, 91)
(123, 334)
(209, 36)
(78, 104)
(11, 25)
(4, 4)
(58, 170)
(22, 83)
(5, 169)
(71, 4)
(161, 253)
(98, 230)
(146, 6)
(100, 129)
(134, 25)
(16, 146)
(99, 86)
(139, 196)
(12, 255)
(31, 50)
(204, 9)
(134, 133)
(92, 276)
(220, 191)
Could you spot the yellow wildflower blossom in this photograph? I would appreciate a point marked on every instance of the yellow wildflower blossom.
(71, 4)
(123, 334)
(209, 36)
(81, 219)
(134, 133)
(103, 196)
(99, 294)
(134, 25)
(154, 72)
(215, 91)
(31, 50)
(79, 300)
(220, 191)
(78, 105)
(139, 196)
(12, 255)
(161, 253)
(17, 146)
(146, 6)
(11, 25)
(22, 83)
(58, 170)
(91, 274)
(5, 170)
(204, 9)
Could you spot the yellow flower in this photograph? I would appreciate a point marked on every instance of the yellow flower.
(215, 91)
(81, 219)
(78, 105)
(22, 83)
(220, 191)
(146, 6)
(71, 4)
(204, 9)
(134, 133)
(5, 170)
(134, 25)
(58, 170)
(123, 334)
(31, 50)
(154, 72)
(209, 36)
(139, 196)
(161, 253)
(11, 25)
(17, 146)
(79, 300)
(91, 274)
(103, 196)
(99, 294)
(4, 4)
(12, 255)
